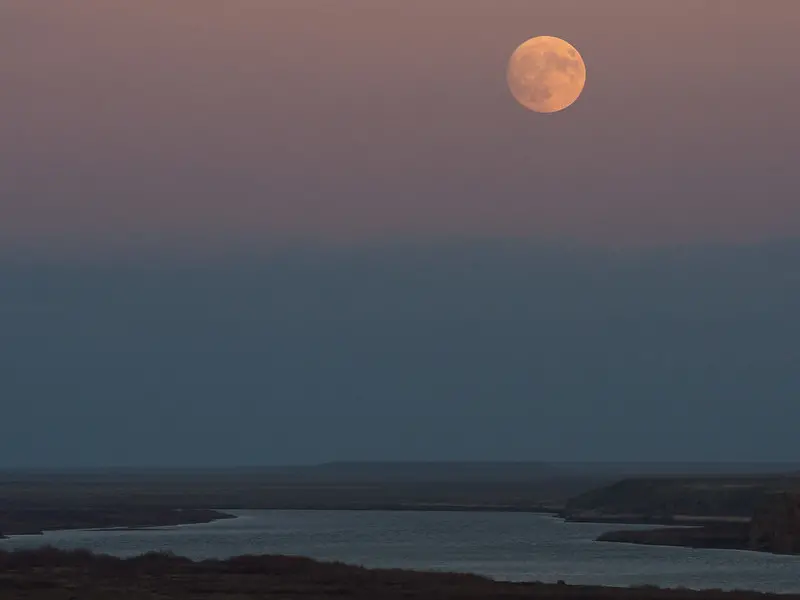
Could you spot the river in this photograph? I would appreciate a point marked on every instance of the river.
(507, 546)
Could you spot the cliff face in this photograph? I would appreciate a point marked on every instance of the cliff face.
(775, 526)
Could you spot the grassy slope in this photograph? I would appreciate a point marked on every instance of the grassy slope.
(698, 496)
(49, 574)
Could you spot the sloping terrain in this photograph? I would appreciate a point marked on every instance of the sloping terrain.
(663, 498)
(49, 574)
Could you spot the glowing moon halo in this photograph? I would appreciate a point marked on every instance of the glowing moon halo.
(546, 74)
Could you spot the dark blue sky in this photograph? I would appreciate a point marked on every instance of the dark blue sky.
(448, 351)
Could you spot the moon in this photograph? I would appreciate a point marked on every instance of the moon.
(546, 74)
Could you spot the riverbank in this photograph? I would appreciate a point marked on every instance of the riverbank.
(726, 536)
(774, 527)
(634, 519)
(687, 531)
(710, 533)
(35, 521)
(47, 573)
(59, 500)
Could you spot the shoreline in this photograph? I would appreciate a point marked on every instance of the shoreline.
(705, 537)
(666, 520)
(680, 531)
(719, 533)
(35, 521)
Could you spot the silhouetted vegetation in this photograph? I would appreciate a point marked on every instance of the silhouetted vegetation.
(48, 573)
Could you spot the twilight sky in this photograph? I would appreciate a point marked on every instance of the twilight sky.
(201, 125)
(276, 231)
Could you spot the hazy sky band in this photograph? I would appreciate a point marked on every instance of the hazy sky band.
(449, 352)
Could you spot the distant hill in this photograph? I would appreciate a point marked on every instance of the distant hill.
(417, 471)
(674, 469)
(439, 472)
(511, 471)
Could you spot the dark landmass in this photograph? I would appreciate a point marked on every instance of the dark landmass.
(22, 521)
(729, 536)
(578, 490)
(774, 526)
(426, 472)
(50, 574)
(660, 499)
(680, 520)
(743, 512)
(469, 488)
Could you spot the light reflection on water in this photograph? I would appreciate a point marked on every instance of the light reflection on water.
(511, 546)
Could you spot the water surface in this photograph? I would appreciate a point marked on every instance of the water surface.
(509, 546)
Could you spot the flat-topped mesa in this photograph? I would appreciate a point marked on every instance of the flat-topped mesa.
(775, 526)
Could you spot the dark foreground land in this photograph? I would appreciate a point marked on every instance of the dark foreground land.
(50, 574)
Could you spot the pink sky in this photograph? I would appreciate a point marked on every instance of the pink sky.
(259, 122)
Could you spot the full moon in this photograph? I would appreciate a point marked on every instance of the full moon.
(546, 74)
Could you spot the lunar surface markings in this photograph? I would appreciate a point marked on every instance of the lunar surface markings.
(546, 74)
